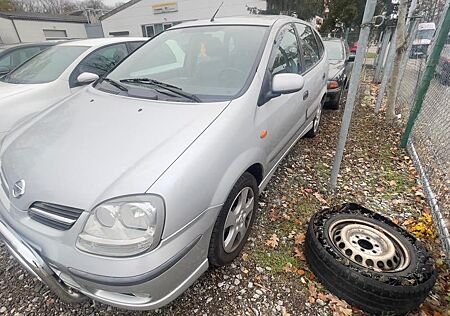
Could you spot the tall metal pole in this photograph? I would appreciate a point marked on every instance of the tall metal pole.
(382, 55)
(387, 72)
(353, 88)
(427, 77)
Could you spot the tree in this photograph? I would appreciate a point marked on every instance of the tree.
(399, 53)
(349, 13)
(304, 9)
(6, 5)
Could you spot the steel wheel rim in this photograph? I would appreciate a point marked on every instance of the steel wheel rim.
(369, 245)
(317, 119)
(238, 219)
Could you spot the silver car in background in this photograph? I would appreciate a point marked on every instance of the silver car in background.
(57, 73)
(129, 190)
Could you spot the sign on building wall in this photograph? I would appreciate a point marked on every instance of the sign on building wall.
(165, 7)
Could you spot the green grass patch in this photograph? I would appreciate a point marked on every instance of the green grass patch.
(371, 55)
(276, 259)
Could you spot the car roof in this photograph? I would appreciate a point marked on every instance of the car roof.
(102, 41)
(8, 46)
(261, 20)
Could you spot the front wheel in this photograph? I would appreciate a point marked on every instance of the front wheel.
(234, 222)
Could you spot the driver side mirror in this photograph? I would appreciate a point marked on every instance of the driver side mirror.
(286, 83)
(4, 70)
(351, 58)
(87, 77)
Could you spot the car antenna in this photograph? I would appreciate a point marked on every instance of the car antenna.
(212, 19)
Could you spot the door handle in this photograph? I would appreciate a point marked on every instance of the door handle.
(306, 95)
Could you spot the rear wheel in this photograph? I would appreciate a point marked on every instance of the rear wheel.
(234, 222)
(316, 123)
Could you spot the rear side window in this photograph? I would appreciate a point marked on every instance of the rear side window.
(134, 45)
(287, 56)
(308, 42)
(319, 44)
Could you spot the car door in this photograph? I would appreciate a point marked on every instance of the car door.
(99, 62)
(314, 76)
(284, 115)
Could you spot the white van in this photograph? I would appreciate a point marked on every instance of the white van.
(425, 33)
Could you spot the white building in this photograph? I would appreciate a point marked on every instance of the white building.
(16, 27)
(150, 17)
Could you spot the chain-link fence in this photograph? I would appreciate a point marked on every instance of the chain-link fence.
(429, 141)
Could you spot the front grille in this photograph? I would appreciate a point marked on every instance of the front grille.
(53, 215)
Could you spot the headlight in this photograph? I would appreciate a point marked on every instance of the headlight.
(125, 226)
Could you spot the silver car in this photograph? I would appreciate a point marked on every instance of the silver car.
(129, 190)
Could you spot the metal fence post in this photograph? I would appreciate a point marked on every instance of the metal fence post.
(353, 88)
(382, 55)
(428, 76)
(387, 71)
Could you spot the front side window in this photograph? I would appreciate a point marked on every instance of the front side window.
(46, 66)
(211, 62)
(287, 56)
(100, 61)
(309, 45)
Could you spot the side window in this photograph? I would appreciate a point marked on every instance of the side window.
(18, 56)
(287, 56)
(134, 45)
(309, 45)
(100, 61)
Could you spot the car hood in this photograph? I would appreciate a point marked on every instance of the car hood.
(96, 146)
(18, 101)
(335, 67)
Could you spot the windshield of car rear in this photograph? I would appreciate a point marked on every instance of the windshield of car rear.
(46, 66)
(425, 34)
(213, 63)
(335, 50)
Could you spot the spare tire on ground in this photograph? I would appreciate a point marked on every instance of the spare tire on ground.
(367, 260)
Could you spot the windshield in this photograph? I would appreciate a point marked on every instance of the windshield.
(46, 66)
(209, 62)
(425, 34)
(335, 50)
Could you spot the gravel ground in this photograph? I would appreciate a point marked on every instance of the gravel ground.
(271, 276)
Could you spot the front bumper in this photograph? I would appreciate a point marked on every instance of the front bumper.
(150, 290)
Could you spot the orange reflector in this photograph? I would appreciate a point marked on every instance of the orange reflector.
(333, 84)
(263, 134)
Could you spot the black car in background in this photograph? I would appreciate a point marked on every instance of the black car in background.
(14, 55)
(341, 64)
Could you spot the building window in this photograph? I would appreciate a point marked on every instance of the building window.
(120, 33)
(55, 34)
(154, 29)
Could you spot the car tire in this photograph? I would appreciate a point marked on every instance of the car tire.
(391, 290)
(316, 123)
(335, 103)
(234, 223)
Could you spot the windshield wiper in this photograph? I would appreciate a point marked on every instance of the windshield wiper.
(115, 84)
(169, 87)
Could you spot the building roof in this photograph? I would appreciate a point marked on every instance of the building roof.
(42, 17)
(118, 9)
(91, 42)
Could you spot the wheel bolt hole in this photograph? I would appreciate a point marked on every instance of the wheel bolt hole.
(358, 258)
(377, 246)
(348, 252)
(353, 242)
(365, 244)
(342, 245)
(368, 238)
(374, 251)
(389, 264)
(338, 238)
(369, 262)
(363, 250)
(395, 259)
(380, 264)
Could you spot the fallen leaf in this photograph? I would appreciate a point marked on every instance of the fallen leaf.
(284, 312)
(288, 267)
(301, 272)
(273, 241)
(320, 198)
(299, 254)
(299, 238)
(245, 256)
